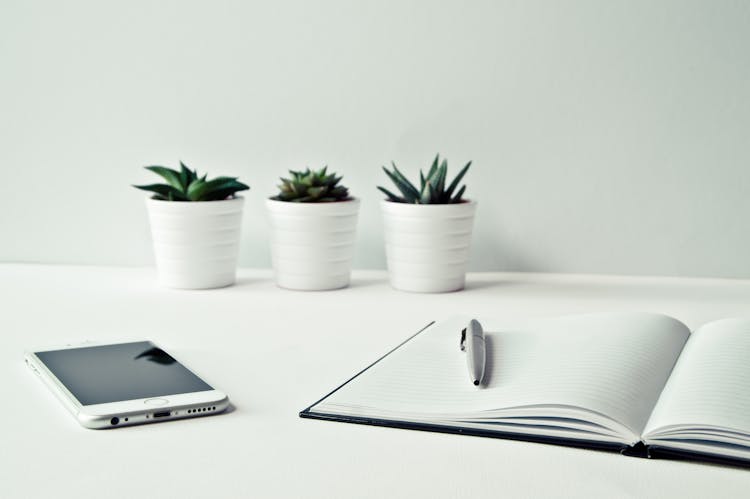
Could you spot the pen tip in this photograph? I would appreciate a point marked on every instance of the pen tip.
(476, 382)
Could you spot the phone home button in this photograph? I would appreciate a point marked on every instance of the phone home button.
(156, 401)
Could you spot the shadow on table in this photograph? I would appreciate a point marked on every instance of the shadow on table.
(366, 282)
(252, 281)
(357, 282)
(480, 285)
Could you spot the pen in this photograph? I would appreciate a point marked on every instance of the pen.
(472, 342)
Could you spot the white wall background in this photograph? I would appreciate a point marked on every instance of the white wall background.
(607, 136)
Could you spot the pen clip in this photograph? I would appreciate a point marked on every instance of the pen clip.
(462, 344)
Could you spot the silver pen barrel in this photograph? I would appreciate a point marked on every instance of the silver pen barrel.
(475, 351)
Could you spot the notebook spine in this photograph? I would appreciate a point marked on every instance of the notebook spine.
(659, 452)
(638, 450)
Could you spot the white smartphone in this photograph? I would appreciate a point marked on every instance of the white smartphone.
(122, 384)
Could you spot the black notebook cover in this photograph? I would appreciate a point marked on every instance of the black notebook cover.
(638, 450)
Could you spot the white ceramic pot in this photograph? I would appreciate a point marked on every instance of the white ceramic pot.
(427, 245)
(312, 244)
(196, 242)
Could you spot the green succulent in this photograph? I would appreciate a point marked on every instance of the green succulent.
(311, 187)
(432, 188)
(186, 185)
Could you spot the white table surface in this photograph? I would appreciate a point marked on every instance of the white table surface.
(234, 336)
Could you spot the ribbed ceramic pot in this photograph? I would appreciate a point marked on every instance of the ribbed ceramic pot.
(312, 244)
(196, 242)
(427, 245)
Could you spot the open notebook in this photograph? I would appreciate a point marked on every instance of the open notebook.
(634, 382)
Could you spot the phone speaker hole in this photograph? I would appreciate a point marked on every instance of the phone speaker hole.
(201, 409)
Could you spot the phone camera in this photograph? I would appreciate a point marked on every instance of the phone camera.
(115, 420)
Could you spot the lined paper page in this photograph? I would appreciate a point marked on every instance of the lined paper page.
(613, 364)
(710, 385)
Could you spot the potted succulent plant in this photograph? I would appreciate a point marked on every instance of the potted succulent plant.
(427, 230)
(313, 223)
(195, 226)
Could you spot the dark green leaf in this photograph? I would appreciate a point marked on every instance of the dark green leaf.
(316, 192)
(456, 180)
(164, 191)
(433, 168)
(340, 192)
(171, 176)
(311, 186)
(403, 185)
(186, 176)
(391, 196)
(196, 189)
(439, 185)
(457, 197)
(285, 196)
(413, 190)
(427, 195)
(219, 194)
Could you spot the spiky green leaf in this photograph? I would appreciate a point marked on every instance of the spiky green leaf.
(171, 176)
(427, 195)
(457, 179)
(407, 190)
(391, 196)
(413, 192)
(433, 167)
(316, 192)
(185, 176)
(439, 185)
(310, 186)
(432, 188)
(163, 191)
(203, 190)
(457, 197)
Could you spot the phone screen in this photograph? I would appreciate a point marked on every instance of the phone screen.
(114, 373)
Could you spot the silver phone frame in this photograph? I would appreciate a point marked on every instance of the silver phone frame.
(127, 412)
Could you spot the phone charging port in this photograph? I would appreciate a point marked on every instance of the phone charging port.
(163, 414)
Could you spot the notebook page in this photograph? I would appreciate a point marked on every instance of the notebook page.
(613, 364)
(710, 385)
